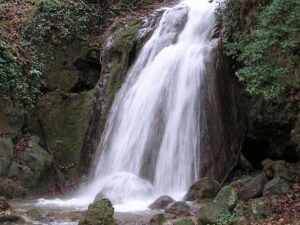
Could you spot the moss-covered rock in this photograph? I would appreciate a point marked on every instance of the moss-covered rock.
(277, 168)
(179, 208)
(6, 155)
(227, 196)
(99, 213)
(35, 214)
(64, 119)
(259, 210)
(184, 222)
(276, 186)
(158, 219)
(211, 213)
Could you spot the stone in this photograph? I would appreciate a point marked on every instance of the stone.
(99, 213)
(35, 214)
(99, 197)
(11, 189)
(6, 155)
(240, 217)
(204, 188)
(158, 219)
(10, 218)
(211, 213)
(178, 208)
(250, 187)
(184, 222)
(11, 119)
(4, 204)
(276, 186)
(259, 210)
(227, 196)
(162, 202)
(277, 168)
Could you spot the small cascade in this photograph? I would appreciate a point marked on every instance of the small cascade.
(151, 143)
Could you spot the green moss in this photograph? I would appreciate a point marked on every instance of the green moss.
(185, 222)
(124, 46)
(65, 120)
(158, 219)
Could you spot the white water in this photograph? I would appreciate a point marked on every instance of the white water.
(151, 145)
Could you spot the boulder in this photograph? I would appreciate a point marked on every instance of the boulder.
(250, 187)
(162, 202)
(227, 196)
(6, 155)
(204, 188)
(178, 208)
(277, 168)
(158, 219)
(184, 222)
(259, 210)
(211, 213)
(33, 162)
(276, 186)
(35, 214)
(240, 217)
(11, 189)
(11, 218)
(99, 197)
(4, 204)
(99, 213)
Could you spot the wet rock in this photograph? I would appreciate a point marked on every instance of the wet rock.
(158, 219)
(162, 202)
(204, 188)
(184, 222)
(99, 213)
(35, 214)
(250, 187)
(3, 204)
(11, 189)
(178, 208)
(211, 213)
(276, 186)
(277, 168)
(11, 217)
(99, 197)
(227, 196)
(6, 155)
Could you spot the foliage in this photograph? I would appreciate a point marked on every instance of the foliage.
(227, 219)
(265, 44)
(16, 84)
(61, 21)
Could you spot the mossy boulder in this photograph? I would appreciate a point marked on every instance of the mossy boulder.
(158, 219)
(211, 213)
(276, 186)
(259, 210)
(184, 222)
(35, 214)
(227, 196)
(162, 202)
(64, 119)
(204, 188)
(179, 208)
(32, 164)
(99, 213)
(277, 168)
(6, 155)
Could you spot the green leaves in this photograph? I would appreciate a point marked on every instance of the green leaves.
(266, 50)
(15, 84)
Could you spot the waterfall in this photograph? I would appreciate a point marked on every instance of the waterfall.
(151, 143)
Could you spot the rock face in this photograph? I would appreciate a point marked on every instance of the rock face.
(11, 188)
(178, 209)
(6, 155)
(162, 202)
(99, 213)
(250, 187)
(276, 186)
(64, 118)
(204, 188)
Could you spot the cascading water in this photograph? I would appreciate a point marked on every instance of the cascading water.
(151, 144)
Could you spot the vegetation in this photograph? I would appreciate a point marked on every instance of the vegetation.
(17, 84)
(227, 219)
(263, 37)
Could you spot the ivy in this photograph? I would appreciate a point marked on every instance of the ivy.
(266, 49)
